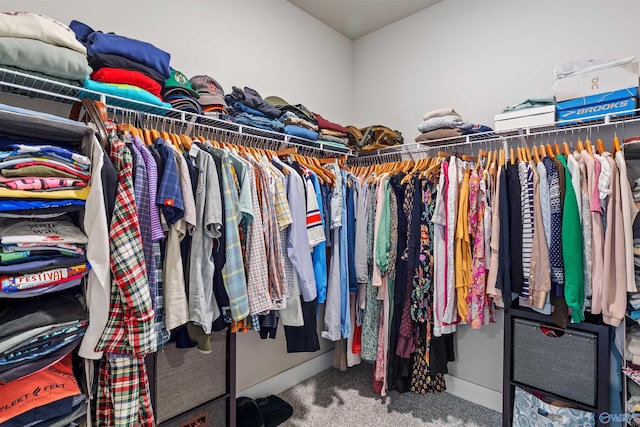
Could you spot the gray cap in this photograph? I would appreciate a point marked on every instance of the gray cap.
(210, 91)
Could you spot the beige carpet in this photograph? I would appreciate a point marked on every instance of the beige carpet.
(334, 398)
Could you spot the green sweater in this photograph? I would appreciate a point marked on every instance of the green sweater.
(572, 249)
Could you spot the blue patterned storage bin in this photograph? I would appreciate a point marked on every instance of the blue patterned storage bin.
(529, 411)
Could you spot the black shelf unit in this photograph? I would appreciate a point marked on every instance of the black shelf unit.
(601, 332)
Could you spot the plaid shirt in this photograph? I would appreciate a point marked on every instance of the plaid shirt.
(143, 208)
(272, 239)
(130, 324)
(257, 272)
(233, 272)
(152, 175)
(123, 389)
(162, 334)
(123, 394)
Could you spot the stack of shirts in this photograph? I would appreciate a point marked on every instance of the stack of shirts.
(40, 45)
(442, 123)
(247, 107)
(34, 177)
(37, 383)
(210, 95)
(298, 120)
(331, 132)
(124, 67)
(178, 92)
(39, 256)
(636, 192)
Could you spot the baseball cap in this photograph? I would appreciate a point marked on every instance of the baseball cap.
(210, 91)
(178, 84)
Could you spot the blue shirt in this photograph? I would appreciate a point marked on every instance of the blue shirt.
(169, 193)
(345, 317)
(319, 255)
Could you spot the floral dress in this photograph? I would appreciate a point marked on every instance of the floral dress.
(478, 313)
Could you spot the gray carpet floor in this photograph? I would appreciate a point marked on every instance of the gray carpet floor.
(334, 398)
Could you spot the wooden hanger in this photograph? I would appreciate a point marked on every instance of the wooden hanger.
(550, 152)
(512, 158)
(579, 145)
(287, 151)
(587, 145)
(615, 145)
(536, 155)
(599, 146)
(433, 169)
(567, 150)
(557, 149)
(519, 154)
(543, 151)
(501, 158)
(128, 128)
(154, 134)
(186, 141)
(481, 155)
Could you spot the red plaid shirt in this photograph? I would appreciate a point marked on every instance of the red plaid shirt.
(123, 389)
(129, 329)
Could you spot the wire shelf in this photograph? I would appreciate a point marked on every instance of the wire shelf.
(46, 89)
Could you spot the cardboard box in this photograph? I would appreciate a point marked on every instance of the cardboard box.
(597, 82)
(596, 107)
(528, 117)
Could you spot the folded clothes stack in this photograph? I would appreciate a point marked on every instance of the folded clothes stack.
(331, 133)
(124, 67)
(37, 44)
(38, 331)
(298, 120)
(35, 177)
(40, 256)
(247, 107)
(446, 123)
(37, 338)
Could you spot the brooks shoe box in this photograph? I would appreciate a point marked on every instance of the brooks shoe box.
(596, 107)
(525, 118)
(597, 82)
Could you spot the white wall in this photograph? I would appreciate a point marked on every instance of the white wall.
(479, 57)
(269, 45)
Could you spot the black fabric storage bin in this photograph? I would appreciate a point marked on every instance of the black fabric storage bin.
(564, 365)
(186, 378)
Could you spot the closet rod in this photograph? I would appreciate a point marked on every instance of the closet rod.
(418, 147)
(191, 128)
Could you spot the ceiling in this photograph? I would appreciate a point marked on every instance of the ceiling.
(355, 18)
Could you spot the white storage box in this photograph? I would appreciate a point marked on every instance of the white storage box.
(603, 80)
(528, 117)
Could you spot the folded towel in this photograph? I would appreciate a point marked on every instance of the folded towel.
(446, 111)
(439, 134)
